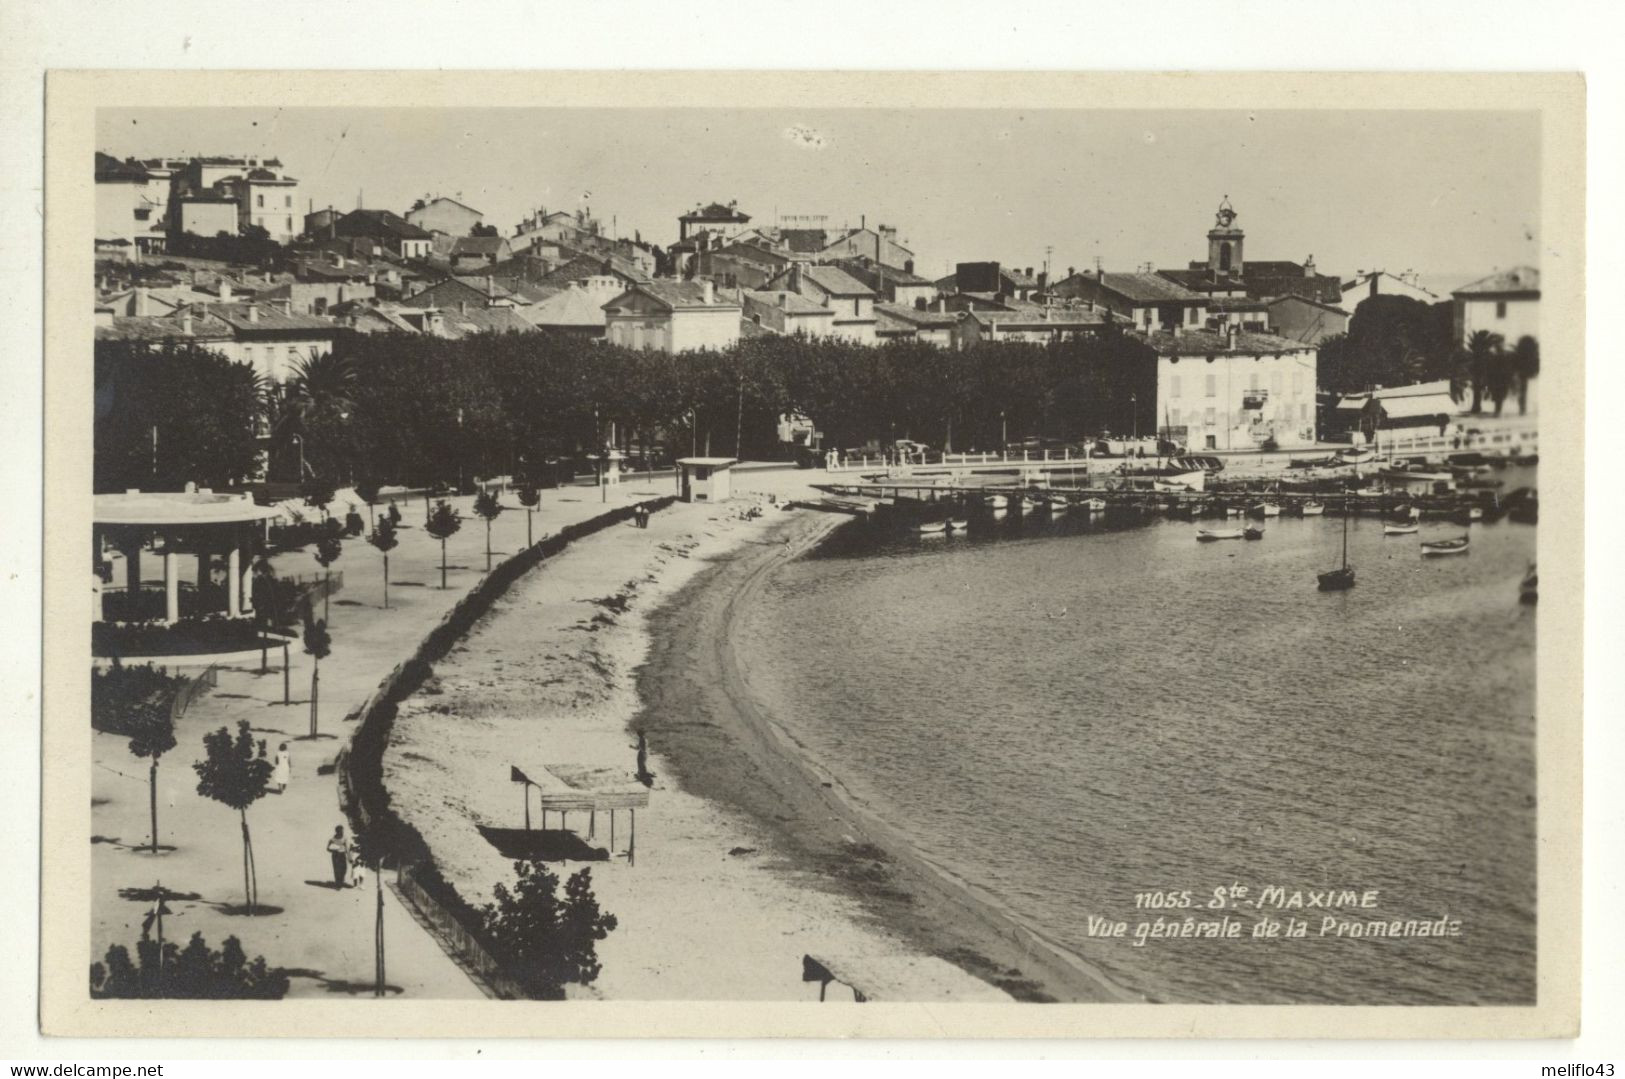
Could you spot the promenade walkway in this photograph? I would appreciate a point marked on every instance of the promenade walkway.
(323, 935)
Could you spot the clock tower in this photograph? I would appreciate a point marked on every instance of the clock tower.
(1224, 243)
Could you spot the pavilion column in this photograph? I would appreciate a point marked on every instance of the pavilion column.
(205, 563)
(172, 582)
(234, 578)
(132, 569)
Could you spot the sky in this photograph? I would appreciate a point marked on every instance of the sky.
(1449, 194)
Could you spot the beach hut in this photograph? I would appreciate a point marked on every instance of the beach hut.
(705, 479)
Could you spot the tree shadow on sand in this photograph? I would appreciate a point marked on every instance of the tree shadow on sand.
(241, 910)
(149, 895)
(133, 848)
(340, 985)
(552, 845)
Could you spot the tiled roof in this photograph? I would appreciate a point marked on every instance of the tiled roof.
(378, 223)
(1335, 309)
(715, 212)
(478, 245)
(1321, 287)
(1519, 279)
(1148, 288)
(570, 307)
(793, 302)
(1206, 342)
(836, 281)
(110, 169)
(163, 328)
(1039, 316)
(682, 294)
(268, 319)
(915, 317)
(457, 323)
(804, 241)
(863, 268)
(752, 253)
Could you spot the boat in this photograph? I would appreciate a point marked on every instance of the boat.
(1093, 505)
(1400, 530)
(1211, 535)
(1253, 533)
(1528, 590)
(958, 524)
(1058, 503)
(1469, 514)
(1340, 579)
(1266, 509)
(1437, 548)
(997, 502)
(1314, 509)
(928, 527)
(1234, 511)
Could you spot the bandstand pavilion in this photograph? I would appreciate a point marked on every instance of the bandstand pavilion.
(216, 529)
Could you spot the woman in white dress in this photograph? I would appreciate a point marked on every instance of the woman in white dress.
(282, 771)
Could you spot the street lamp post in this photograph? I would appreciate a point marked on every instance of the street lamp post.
(300, 442)
(1134, 409)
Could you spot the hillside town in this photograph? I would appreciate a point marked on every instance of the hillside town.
(225, 253)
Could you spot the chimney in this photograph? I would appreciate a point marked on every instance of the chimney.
(141, 301)
(708, 292)
(253, 313)
(784, 300)
(462, 306)
(223, 287)
(490, 285)
(1309, 266)
(343, 294)
(1071, 271)
(186, 321)
(942, 305)
(286, 305)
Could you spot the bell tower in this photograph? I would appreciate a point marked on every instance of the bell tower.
(1224, 243)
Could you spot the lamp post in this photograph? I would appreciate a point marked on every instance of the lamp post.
(1134, 409)
(459, 451)
(300, 442)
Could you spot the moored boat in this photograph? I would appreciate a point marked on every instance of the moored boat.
(1437, 548)
(926, 528)
(1253, 533)
(1400, 530)
(958, 524)
(1342, 578)
(1528, 590)
(1210, 535)
(997, 502)
(1093, 505)
(1314, 509)
(1266, 509)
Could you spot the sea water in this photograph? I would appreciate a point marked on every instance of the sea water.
(1121, 735)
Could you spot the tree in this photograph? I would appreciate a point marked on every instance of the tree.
(550, 942)
(383, 538)
(367, 489)
(318, 643)
(1474, 365)
(173, 414)
(530, 498)
(328, 550)
(138, 702)
(318, 494)
(235, 773)
(195, 972)
(1526, 363)
(443, 523)
(487, 506)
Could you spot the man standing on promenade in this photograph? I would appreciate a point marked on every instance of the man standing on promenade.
(339, 851)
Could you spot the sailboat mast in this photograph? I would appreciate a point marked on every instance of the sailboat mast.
(1345, 534)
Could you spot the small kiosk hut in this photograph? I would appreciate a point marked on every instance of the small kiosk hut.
(705, 479)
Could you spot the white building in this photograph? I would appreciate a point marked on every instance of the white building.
(1234, 390)
(1368, 283)
(1506, 303)
(672, 316)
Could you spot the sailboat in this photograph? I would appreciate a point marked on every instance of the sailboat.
(1342, 578)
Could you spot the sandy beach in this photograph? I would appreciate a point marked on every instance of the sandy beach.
(748, 857)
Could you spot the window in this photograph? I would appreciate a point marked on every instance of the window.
(1252, 381)
(1173, 386)
(1212, 387)
(1500, 309)
(856, 309)
(288, 224)
(1297, 382)
(1275, 383)
(287, 202)
(259, 200)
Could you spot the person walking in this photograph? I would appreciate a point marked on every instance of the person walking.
(282, 771)
(339, 851)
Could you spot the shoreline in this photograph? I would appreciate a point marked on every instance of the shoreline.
(717, 906)
(693, 668)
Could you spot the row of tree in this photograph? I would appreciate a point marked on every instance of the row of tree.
(422, 410)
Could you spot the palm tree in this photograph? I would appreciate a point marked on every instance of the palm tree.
(1526, 365)
(1473, 366)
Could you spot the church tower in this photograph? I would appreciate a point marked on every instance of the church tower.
(1224, 243)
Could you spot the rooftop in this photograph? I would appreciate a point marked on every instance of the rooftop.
(716, 212)
(1209, 342)
(178, 508)
(1148, 288)
(1517, 280)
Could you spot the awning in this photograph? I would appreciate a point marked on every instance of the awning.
(576, 787)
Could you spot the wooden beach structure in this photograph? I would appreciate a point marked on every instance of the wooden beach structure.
(567, 788)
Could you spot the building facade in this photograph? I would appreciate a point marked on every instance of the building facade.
(445, 215)
(1505, 303)
(672, 316)
(1234, 390)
